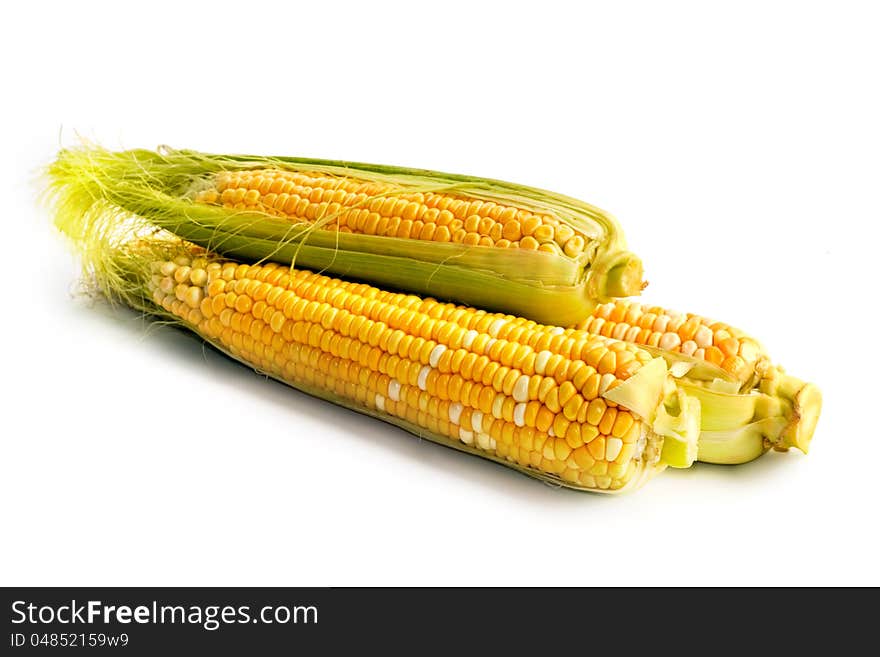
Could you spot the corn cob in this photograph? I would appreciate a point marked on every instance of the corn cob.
(480, 242)
(561, 405)
(721, 360)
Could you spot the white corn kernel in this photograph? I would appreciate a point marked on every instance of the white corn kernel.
(423, 377)
(720, 336)
(455, 409)
(541, 361)
(436, 352)
(669, 341)
(394, 390)
(496, 326)
(703, 337)
(521, 388)
(484, 440)
(519, 415)
(612, 448)
(477, 421)
(661, 323)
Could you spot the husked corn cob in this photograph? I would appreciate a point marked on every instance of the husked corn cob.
(720, 359)
(485, 243)
(494, 384)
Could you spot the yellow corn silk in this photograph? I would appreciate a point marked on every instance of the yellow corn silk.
(719, 359)
(485, 243)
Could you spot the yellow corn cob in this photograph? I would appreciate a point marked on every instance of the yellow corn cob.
(385, 209)
(461, 379)
(481, 242)
(720, 359)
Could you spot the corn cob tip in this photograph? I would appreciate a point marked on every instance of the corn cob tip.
(625, 279)
(807, 405)
(782, 413)
(801, 402)
(616, 274)
(739, 427)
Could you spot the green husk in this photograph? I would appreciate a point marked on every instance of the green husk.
(550, 289)
(739, 427)
(669, 412)
(741, 420)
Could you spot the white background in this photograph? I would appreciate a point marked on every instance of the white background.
(738, 143)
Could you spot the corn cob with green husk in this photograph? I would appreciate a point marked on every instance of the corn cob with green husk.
(481, 242)
(726, 368)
